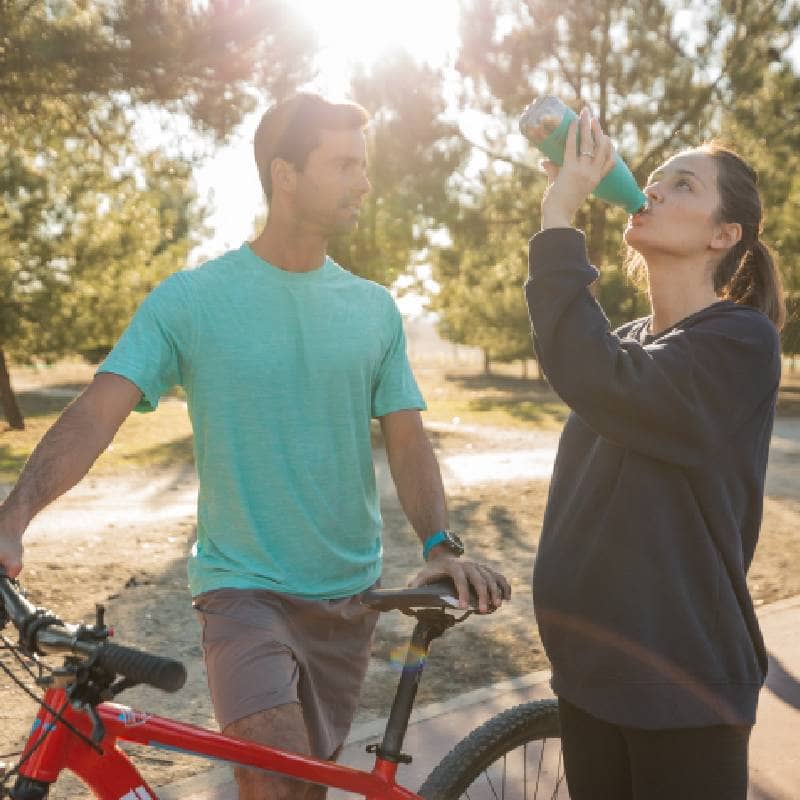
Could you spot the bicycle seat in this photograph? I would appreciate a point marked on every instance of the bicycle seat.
(441, 594)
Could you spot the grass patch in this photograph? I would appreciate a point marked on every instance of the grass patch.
(502, 400)
(158, 439)
(506, 399)
(144, 440)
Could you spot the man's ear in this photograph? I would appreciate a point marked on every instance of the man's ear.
(726, 236)
(284, 175)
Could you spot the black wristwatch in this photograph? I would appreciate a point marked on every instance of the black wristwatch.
(447, 538)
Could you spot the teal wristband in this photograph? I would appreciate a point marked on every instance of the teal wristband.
(431, 542)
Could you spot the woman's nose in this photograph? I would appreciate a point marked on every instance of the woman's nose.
(653, 193)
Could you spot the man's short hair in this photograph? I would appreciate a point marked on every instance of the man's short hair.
(291, 130)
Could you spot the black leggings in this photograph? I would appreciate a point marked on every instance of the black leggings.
(610, 762)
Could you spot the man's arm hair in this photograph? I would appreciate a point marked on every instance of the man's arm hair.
(67, 451)
(415, 471)
(418, 479)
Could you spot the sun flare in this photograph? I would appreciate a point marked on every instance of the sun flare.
(354, 32)
(349, 32)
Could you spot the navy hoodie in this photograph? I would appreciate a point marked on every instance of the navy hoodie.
(655, 501)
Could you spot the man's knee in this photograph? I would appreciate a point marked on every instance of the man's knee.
(281, 727)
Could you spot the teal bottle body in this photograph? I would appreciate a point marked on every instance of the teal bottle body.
(545, 123)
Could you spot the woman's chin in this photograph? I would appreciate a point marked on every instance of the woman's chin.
(631, 236)
(637, 239)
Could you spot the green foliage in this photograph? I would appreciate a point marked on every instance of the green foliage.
(765, 126)
(621, 297)
(412, 153)
(790, 336)
(661, 76)
(88, 228)
(481, 302)
(88, 222)
(201, 58)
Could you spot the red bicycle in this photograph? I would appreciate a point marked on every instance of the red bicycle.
(516, 754)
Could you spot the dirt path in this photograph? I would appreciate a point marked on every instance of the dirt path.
(124, 542)
(783, 473)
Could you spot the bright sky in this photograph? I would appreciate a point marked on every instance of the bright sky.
(349, 32)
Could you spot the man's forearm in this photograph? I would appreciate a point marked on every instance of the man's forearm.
(418, 479)
(419, 487)
(63, 456)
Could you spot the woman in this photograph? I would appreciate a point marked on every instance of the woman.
(657, 492)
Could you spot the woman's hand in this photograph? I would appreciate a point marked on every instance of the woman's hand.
(574, 181)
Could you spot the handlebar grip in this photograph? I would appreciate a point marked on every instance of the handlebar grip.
(163, 673)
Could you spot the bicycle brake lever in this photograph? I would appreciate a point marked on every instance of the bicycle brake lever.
(118, 687)
(98, 729)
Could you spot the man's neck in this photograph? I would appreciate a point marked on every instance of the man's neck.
(290, 247)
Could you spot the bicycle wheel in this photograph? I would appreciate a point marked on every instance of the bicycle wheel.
(516, 754)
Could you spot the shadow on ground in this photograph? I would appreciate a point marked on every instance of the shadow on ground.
(522, 398)
(178, 451)
(51, 401)
(782, 683)
(501, 383)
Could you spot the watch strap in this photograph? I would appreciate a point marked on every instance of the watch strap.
(431, 542)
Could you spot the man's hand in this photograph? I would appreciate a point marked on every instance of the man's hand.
(490, 586)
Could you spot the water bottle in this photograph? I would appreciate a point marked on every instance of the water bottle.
(545, 122)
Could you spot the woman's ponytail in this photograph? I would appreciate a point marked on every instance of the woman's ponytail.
(748, 273)
(754, 281)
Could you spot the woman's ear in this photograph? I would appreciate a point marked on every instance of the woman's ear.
(726, 236)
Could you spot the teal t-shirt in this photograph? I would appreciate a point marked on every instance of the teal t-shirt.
(283, 372)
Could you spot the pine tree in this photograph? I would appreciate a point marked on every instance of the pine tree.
(87, 222)
(659, 75)
(413, 151)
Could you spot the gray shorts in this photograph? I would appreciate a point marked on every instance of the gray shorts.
(264, 649)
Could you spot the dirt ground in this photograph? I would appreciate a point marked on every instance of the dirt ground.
(138, 572)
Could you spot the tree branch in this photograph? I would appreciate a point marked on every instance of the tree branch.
(692, 113)
(498, 156)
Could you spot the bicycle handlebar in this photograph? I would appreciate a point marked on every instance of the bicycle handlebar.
(163, 673)
(51, 635)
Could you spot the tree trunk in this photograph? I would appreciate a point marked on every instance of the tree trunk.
(487, 364)
(7, 398)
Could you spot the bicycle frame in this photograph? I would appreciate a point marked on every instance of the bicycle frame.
(111, 775)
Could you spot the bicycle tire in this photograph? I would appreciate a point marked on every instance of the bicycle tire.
(500, 748)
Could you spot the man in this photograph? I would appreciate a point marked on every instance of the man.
(285, 357)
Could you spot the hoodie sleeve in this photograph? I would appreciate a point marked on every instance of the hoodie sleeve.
(678, 399)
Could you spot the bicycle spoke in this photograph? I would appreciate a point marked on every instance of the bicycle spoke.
(525, 771)
(559, 776)
(491, 785)
(539, 767)
(532, 770)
